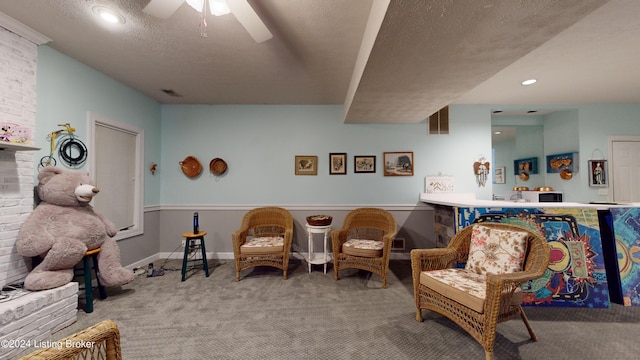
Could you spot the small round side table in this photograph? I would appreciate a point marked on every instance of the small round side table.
(318, 259)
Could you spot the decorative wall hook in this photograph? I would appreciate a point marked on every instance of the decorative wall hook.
(593, 154)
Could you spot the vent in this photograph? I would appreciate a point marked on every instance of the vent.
(170, 92)
(397, 244)
(439, 122)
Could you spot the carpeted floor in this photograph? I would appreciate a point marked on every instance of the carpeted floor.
(312, 316)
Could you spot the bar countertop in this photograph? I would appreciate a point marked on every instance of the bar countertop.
(469, 200)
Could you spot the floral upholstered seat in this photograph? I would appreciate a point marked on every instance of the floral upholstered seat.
(263, 245)
(363, 247)
(464, 286)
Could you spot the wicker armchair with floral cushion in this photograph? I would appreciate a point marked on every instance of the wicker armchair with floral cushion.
(364, 242)
(264, 239)
(499, 258)
(100, 341)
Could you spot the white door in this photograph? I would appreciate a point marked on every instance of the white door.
(625, 168)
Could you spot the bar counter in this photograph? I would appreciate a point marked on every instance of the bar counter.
(595, 247)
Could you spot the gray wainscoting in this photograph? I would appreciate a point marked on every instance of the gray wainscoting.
(165, 225)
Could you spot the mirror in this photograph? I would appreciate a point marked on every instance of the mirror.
(513, 138)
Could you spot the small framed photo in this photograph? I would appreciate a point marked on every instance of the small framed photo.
(306, 165)
(499, 175)
(398, 163)
(364, 164)
(337, 164)
(598, 173)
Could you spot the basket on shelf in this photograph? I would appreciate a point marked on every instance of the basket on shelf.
(319, 220)
(217, 166)
(191, 166)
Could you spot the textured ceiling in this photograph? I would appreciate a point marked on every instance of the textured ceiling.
(392, 61)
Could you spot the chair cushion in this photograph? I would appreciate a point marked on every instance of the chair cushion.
(496, 251)
(263, 245)
(463, 286)
(363, 247)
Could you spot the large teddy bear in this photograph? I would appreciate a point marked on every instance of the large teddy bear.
(63, 227)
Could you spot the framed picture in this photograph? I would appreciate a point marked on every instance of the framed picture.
(439, 184)
(337, 164)
(598, 173)
(306, 165)
(499, 175)
(364, 164)
(398, 163)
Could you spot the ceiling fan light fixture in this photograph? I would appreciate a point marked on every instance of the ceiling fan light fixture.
(217, 7)
(529, 82)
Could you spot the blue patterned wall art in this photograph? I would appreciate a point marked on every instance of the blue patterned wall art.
(576, 275)
(626, 225)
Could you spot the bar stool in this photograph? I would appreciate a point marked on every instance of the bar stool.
(85, 272)
(194, 242)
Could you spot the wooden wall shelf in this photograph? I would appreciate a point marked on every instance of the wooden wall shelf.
(17, 147)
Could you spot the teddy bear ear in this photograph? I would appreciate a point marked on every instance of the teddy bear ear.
(47, 173)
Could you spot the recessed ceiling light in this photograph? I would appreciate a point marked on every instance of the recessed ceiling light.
(497, 132)
(109, 15)
(529, 82)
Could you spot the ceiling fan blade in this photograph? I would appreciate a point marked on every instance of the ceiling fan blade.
(250, 20)
(162, 8)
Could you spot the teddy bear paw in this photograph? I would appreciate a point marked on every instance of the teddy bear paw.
(44, 280)
(116, 277)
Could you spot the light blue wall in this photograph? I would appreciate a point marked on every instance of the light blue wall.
(259, 144)
(562, 135)
(597, 123)
(503, 157)
(67, 90)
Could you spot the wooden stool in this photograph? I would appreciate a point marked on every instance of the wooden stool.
(191, 244)
(85, 272)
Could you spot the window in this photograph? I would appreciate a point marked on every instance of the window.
(116, 153)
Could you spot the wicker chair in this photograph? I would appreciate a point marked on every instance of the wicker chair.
(503, 297)
(264, 239)
(100, 341)
(377, 228)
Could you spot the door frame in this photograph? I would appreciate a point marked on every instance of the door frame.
(611, 165)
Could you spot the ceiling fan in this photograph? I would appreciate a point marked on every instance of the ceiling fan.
(241, 9)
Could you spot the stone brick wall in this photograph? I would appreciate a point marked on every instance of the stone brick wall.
(18, 63)
(31, 319)
(26, 318)
(445, 225)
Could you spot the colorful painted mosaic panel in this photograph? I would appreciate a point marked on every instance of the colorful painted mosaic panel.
(576, 275)
(626, 224)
